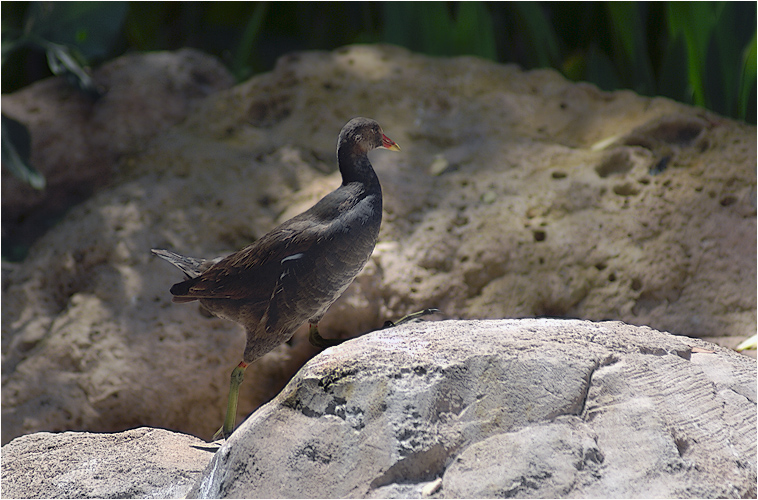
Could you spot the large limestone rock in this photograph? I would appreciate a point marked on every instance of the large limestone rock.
(511, 408)
(140, 463)
(539, 408)
(516, 194)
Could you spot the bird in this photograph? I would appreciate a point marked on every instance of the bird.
(294, 273)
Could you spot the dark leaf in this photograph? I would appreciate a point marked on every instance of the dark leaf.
(91, 27)
(16, 151)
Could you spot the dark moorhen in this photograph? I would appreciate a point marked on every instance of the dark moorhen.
(294, 273)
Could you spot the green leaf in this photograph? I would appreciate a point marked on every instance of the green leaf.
(694, 21)
(16, 147)
(626, 24)
(436, 28)
(399, 19)
(428, 27)
(63, 62)
(672, 80)
(91, 27)
(11, 45)
(473, 32)
(747, 77)
(723, 61)
(242, 67)
(540, 32)
(601, 70)
(630, 32)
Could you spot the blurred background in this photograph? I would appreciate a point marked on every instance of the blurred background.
(701, 53)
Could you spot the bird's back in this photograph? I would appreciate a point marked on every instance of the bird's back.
(295, 272)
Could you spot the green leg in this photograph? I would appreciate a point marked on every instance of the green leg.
(238, 375)
(317, 340)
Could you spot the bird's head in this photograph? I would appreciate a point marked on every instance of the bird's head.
(362, 135)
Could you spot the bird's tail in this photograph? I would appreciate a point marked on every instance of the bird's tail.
(190, 266)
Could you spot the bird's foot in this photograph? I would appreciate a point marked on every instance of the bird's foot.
(317, 340)
(238, 375)
(410, 317)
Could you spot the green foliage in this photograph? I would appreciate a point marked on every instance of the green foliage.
(713, 48)
(703, 53)
(630, 45)
(89, 27)
(747, 78)
(541, 37)
(241, 68)
(70, 34)
(696, 52)
(431, 28)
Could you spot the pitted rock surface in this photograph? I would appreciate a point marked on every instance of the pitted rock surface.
(517, 194)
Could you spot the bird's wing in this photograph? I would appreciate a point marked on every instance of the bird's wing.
(253, 272)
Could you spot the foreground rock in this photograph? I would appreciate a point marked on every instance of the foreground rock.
(516, 194)
(530, 408)
(140, 463)
(510, 408)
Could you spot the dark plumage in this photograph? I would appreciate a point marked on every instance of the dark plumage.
(295, 272)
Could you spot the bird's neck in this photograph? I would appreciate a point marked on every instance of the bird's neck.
(356, 168)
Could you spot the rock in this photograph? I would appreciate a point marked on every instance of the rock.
(537, 408)
(517, 408)
(139, 463)
(517, 194)
(79, 143)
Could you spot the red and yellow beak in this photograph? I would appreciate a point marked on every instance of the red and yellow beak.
(388, 143)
